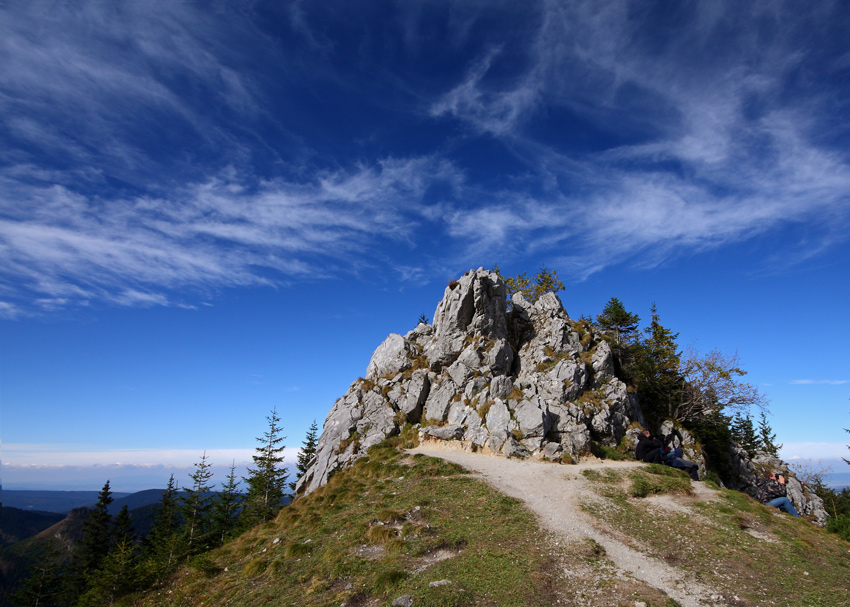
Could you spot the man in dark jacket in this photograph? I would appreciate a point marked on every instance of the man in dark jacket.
(652, 450)
(649, 448)
(772, 492)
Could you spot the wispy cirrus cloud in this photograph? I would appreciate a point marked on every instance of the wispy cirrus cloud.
(729, 148)
(71, 248)
(91, 84)
(819, 382)
(178, 148)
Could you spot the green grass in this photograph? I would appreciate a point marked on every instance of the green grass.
(371, 534)
(381, 528)
(733, 544)
(647, 480)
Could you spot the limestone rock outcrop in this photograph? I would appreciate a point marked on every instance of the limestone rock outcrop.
(525, 381)
(518, 380)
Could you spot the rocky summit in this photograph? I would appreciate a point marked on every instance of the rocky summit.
(517, 379)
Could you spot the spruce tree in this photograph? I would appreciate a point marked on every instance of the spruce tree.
(161, 550)
(305, 456)
(93, 547)
(744, 433)
(225, 509)
(122, 530)
(657, 370)
(267, 481)
(617, 319)
(43, 587)
(195, 506)
(767, 438)
(116, 577)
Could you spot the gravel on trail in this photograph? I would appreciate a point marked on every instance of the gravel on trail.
(555, 493)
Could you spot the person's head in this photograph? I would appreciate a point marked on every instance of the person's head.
(646, 432)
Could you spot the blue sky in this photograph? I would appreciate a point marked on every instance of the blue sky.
(210, 210)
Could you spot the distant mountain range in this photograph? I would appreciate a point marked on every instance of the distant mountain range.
(56, 501)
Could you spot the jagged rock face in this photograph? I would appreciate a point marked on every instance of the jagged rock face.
(524, 382)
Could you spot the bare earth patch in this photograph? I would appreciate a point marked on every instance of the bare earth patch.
(555, 494)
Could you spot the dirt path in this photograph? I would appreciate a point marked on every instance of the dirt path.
(555, 493)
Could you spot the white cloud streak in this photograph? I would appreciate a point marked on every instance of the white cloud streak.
(719, 151)
(813, 451)
(728, 155)
(67, 247)
(819, 382)
(53, 456)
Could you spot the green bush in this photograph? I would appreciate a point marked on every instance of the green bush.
(840, 525)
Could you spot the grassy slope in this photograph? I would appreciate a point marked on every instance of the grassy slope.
(752, 554)
(393, 524)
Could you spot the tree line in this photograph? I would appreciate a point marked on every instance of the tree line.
(110, 561)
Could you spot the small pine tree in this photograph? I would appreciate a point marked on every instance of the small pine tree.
(305, 456)
(195, 505)
(93, 547)
(744, 433)
(122, 530)
(617, 319)
(656, 370)
(115, 577)
(225, 509)
(266, 482)
(423, 320)
(43, 586)
(545, 281)
(160, 552)
(767, 438)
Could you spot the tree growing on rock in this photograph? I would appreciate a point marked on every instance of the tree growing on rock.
(545, 281)
(617, 320)
(305, 456)
(767, 437)
(744, 433)
(656, 370)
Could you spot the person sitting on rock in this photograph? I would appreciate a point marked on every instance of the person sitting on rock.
(675, 457)
(772, 492)
(683, 464)
(649, 448)
(652, 450)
